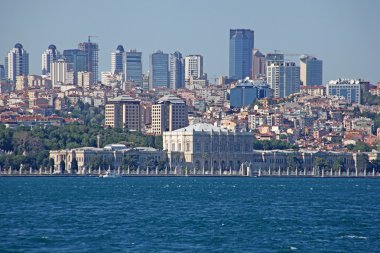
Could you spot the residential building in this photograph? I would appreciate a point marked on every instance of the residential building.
(16, 63)
(349, 89)
(193, 67)
(169, 113)
(177, 71)
(246, 92)
(48, 57)
(118, 60)
(123, 112)
(61, 73)
(283, 78)
(133, 67)
(241, 46)
(91, 49)
(158, 70)
(311, 71)
(85, 79)
(258, 64)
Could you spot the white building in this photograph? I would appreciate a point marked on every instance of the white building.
(193, 67)
(60, 73)
(311, 71)
(48, 57)
(283, 78)
(16, 63)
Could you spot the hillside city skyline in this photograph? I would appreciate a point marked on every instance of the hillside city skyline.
(323, 42)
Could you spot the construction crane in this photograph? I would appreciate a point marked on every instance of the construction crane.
(300, 55)
(91, 36)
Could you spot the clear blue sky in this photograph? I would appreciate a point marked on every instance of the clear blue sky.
(344, 34)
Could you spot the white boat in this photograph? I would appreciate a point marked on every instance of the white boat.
(110, 173)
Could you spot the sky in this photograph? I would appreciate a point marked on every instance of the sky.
(345, 34)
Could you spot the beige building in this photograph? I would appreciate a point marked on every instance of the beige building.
(168, 114)
(113, 155)
(123, 112)
(85, 79)
(214, 150)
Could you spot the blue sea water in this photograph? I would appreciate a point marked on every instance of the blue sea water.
(189, 214)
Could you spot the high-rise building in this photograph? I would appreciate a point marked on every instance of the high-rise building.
(117, 60)
(351, 90)
(91, 50)
(77, 57)
(169, 113)
(158, 70)
(16, 63)
(177, 72)
(50, 55)
(133, 67)
(241, 46)
(2, 72)
(123, 112)
(274, 58)
(311, 71)
(61, 73)
(193, 67)
(258, 64)
(283, 78)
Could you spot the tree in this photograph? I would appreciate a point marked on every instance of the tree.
(338, 164)
(74, 166)
(320, 163)
(62, 167)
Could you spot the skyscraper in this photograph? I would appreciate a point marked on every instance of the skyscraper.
(283, 78)
(117, 60)
(177, 74)
(16, 63)
(158, 70)
(133, 67)
(49, 56)
(77, 57)
(2, 72)
(258, 64)
(311, 71)
(193, 67)
(91, 50)
(241, 46)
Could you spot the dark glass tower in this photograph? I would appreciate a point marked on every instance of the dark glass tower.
(241, 46)
(91, 50)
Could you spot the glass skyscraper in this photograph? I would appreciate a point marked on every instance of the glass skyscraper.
(241, 46)
(133, 67)
(91, 50)
(158, 70)
(177, 74)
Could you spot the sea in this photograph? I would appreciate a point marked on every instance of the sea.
(189, 214)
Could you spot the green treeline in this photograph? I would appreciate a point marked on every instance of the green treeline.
(31, 147)
(272, 144)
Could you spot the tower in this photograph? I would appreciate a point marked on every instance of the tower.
(48, 57)
(193, 67)
(258, 64)
(177, 74)
(133, 67)
(241, 46)
(158, 70)
(117, 60)
(16, 62)
(283, 78)
(311, 71)
(91, 50)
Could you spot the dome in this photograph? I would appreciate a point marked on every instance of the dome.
(18, 45)
(52, 47)
(120, 48)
